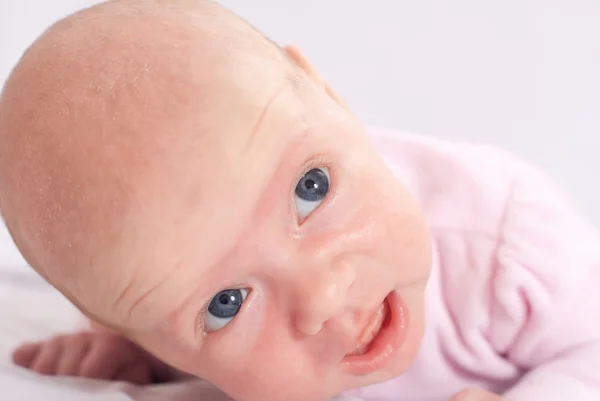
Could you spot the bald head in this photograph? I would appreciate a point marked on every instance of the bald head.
(98, 110)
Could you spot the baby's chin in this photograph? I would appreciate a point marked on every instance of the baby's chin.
(317, 389)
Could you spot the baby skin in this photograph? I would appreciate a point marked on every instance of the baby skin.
(212, 206)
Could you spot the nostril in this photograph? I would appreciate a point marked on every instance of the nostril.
(315, 311)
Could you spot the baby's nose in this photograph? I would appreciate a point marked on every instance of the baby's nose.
(323, 295)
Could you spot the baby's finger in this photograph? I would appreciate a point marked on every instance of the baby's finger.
(24, 355)
(100, 364)
(475, 394)
(73, 354)
(46, 360)
(139, 373)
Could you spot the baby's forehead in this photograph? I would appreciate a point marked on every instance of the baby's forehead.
(107, 121)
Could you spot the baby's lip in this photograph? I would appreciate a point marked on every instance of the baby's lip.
(370, 330)
(372, 354)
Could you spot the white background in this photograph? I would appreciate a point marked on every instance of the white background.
(523, 74)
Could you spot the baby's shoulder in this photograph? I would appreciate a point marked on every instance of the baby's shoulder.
(463, 187)
(488, 208)
(513, 255)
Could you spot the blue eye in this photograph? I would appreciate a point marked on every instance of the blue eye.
(311, 190)
(223, 308)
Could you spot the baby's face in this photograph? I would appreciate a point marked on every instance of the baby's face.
(268, 250)
(237, 225)
(263, 245)
(240, 229)
(270, 261)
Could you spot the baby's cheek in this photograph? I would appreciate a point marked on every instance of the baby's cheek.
(252, 335)
(271, 373)
(401, 232)
(286, 368)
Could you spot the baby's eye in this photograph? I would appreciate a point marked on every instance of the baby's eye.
(311, 190)
(223, 308)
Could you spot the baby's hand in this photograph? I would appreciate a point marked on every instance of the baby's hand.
(95, 354)
(475, 394)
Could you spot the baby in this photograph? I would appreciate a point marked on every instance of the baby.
(207, 200)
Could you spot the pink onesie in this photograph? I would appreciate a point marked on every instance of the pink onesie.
(513, 304)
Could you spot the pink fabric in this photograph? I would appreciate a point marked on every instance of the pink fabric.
(514, 298)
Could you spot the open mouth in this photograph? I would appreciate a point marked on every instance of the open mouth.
(381, 337)
(379, 320)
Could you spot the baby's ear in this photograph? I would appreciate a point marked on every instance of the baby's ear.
(296, 55)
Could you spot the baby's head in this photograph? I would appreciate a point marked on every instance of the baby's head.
(185, 181)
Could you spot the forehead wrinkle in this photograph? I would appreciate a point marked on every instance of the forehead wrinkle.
(222, 267)
(285, 88)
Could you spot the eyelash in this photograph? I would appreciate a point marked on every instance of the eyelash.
(201, 318)
(317, 161)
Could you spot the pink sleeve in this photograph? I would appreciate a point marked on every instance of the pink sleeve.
(545, 310)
